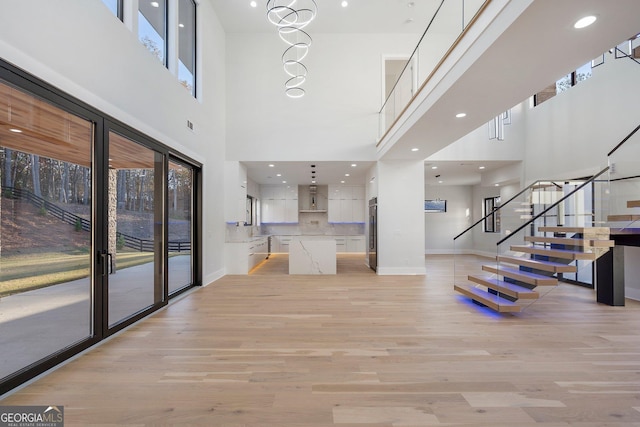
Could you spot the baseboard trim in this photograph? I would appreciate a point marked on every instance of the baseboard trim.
(459, 252)
(213, 277)
(401, 271)
(632, 293)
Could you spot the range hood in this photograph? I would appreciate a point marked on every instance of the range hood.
(311, 200)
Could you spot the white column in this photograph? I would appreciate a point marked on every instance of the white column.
(401, 217)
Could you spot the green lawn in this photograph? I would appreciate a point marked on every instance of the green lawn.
(21, 273)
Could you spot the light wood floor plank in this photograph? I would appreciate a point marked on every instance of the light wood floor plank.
(356, 349)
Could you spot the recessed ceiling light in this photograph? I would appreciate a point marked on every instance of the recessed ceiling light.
(155, 4)
(481, 167)
(415, 149)
(284, 182)
(181, 25)
(344, 3)
(253, 4)
(341, 182)
(346, 174)
(15, 130)
(584, 22)
(278, 174)
(353, 165)
(408, 21)
(497, 185)
(313, 182)
(461, 115)
(271, 166)
(434, 167)
(440, 182)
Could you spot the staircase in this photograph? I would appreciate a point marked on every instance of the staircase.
(516, 277)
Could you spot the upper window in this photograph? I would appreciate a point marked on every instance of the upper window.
(187, 44)
(152, 27)
(115, 6)
(566, 82)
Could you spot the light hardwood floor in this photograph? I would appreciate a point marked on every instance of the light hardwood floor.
(357, 349)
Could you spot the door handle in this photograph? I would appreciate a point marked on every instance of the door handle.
(110, 256)
(106, 259)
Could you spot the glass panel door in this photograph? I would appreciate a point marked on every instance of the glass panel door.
(135, 219)
(46, 229)
(180, 201)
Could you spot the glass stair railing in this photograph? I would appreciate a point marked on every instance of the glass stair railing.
(552, 230)
(449, 22)
(624, 192)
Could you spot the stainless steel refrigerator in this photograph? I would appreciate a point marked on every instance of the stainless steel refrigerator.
(373, 234)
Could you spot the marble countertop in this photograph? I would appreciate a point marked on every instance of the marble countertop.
(246, 239)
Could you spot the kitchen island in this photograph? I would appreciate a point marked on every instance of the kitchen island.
(312, 255)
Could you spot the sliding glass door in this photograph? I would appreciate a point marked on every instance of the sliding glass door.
(97, 226)
(135, 220)
(180, 207)
(46, 229)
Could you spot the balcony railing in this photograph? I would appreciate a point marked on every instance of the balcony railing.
(450, 21)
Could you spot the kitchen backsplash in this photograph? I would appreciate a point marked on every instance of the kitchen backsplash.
(309, 224)
(313, 223)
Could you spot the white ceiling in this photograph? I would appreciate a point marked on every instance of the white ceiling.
(360, 16)
(459, 172)
(539, 47)
(301, 172)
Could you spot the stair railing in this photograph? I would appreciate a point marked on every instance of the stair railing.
(579, 205)
(447, 26)
(624, 196)
(476, 239)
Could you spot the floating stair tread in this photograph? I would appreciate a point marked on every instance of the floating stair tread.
(633, 203)
(506, 288)
(586, 231)
(553, 267)
(571, 242)
(494, 302)
(629, 218)
(555, 253)
(522, 276)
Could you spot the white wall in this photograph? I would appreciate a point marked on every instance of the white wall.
(632, 272)
(570, 135)
(401, 217)
(441, 228)
(485, 243)
(80, 47)
(337, 120)
(476, 146)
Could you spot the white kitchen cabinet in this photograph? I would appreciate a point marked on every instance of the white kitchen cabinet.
(279, 203)
(241, 257)
(235, 194)
(341, 243)
(273, 211)
(356, 244)
(280, 244)
(346, 203)
(358, 210)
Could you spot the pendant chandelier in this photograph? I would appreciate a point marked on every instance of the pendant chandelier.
(291, 17)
